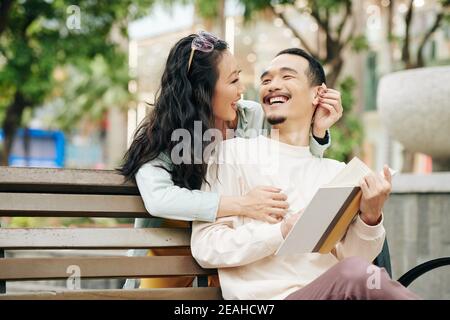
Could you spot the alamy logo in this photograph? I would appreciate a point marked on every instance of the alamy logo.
(74, 280)
(374, 280)
(73, 21)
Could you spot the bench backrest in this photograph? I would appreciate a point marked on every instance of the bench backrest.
(36, 192)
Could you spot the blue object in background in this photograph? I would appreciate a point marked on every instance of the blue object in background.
(45, 148)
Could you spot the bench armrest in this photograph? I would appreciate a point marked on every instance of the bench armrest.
(419, 270)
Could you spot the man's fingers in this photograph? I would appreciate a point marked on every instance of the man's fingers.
(364, 187)
(377, 184)
(371, 186)
(387, 173)
(371, 182)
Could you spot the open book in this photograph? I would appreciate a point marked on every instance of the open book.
(325, 220)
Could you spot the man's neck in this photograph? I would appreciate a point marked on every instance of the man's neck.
(295, 134)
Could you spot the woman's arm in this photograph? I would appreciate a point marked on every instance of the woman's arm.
(164, 199)
(318, 145)
(261, 203)
(328, 112)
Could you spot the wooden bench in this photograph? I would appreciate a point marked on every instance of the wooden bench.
(36, 192)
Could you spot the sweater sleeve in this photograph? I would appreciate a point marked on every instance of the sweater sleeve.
(362, 240)
(165, 200)
(228, 243)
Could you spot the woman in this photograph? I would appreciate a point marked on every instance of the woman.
(199, 87)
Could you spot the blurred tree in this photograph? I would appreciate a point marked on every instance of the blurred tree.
(87, 93)
(335, 21)
(416, 60)
(212, 11)
(38, 37)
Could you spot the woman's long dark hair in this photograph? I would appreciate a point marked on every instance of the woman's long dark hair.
(183, 97)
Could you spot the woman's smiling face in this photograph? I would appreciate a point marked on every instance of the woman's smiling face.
(228, 89)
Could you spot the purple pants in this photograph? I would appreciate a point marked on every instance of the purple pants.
(354, 279)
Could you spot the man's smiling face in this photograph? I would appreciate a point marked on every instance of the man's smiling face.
(285, 91)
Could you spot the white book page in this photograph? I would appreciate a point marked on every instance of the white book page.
(352, 173)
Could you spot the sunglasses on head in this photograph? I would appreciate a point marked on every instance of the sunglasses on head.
(204, 42)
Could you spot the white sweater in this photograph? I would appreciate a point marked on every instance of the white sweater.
(242, 248)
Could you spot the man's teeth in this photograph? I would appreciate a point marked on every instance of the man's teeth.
(279, 99)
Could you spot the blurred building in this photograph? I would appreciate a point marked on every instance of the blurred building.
(37, 148)
(256, 43)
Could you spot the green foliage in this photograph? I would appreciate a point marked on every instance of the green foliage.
(253, 6)
(37, 41)
(208, 8)
(89, 93)
(347, 134)
(359, 43)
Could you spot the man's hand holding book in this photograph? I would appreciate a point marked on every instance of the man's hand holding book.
(375, 191)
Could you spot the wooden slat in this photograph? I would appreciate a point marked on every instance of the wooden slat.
(14, 269)
(93, 238)
(117, 294)
(64, 181)
(71, 205)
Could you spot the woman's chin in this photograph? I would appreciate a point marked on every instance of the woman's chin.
(234, 117)
(231, 117)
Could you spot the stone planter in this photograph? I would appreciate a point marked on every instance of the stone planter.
(415, 107)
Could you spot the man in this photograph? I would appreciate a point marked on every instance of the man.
(243, 249)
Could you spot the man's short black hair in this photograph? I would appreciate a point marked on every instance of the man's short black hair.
(315, 73)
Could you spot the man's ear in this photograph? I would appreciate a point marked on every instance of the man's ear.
(315, 96)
